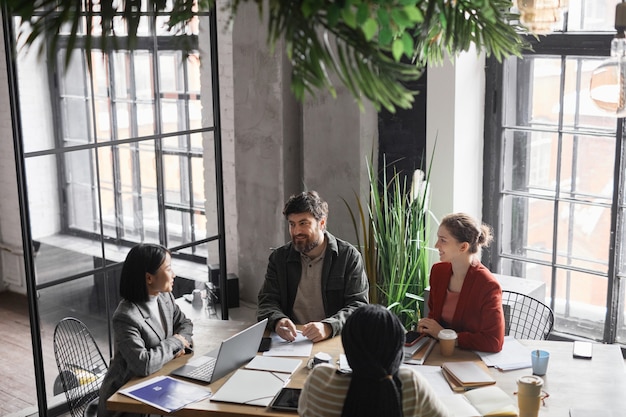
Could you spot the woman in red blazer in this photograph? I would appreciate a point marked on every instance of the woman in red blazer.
(464, 295)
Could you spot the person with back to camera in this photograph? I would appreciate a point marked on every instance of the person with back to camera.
(464, 295)
(378, 386)
(315, 280)
(149, 328)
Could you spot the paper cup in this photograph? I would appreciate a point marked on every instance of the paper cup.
(447, 341)
(529, 395)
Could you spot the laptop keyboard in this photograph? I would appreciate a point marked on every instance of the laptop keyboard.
(204, 372)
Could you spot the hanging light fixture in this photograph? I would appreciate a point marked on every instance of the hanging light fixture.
(607, 87)
(542, 16)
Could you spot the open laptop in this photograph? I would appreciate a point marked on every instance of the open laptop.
(230, 355)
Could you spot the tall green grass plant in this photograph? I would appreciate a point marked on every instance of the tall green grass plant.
(393, 239)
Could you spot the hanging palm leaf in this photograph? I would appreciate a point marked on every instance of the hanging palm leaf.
(373, 48)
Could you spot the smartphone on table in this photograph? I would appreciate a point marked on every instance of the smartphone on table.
(411, 337)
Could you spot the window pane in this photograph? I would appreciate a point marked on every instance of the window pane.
(530, 271)
(530, 161)
(177, 222)
(123, 120)
(527, 227)
(79, 171)
(584, 233)
(149, 194)
(591, 15)
(587, 168)
(75, 114)
(197, 176)
(532, 91)
(579, 111)
(173, 175)
(103, 120)
(580, 303)
(121, 84)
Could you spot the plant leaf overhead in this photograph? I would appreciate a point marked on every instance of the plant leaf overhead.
(373, 48)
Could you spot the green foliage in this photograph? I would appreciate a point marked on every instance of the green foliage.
(394, 231)
(400, 226)
(373, 47)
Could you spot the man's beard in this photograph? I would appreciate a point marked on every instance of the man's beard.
(306, 246)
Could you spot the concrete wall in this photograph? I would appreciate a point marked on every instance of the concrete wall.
(283, 147)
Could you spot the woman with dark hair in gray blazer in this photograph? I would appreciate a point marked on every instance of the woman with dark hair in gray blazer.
(149, 328)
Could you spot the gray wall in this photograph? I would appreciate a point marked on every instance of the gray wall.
(283, 147)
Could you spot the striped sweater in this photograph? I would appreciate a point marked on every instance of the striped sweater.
(325, 390)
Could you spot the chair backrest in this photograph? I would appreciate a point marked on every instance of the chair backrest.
(526, 317)
(80, 363)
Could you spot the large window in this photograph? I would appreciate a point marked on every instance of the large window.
(117, 153)
(137, 117)
(555, 161)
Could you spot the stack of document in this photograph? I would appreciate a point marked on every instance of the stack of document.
(513, 355)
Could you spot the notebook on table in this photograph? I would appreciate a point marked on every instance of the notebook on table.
(230, 355)
(466, 375)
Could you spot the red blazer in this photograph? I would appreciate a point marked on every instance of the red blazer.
(478, 319)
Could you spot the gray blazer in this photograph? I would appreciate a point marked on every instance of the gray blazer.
(142, 346)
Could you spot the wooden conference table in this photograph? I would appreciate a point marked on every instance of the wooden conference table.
(598, 384)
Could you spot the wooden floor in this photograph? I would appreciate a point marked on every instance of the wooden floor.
(17, 384)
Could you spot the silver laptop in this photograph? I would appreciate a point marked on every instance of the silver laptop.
(232, 353)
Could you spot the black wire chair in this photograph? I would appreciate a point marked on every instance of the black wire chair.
(81, 366)
(526, 317)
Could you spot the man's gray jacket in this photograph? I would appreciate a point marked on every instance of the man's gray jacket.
(344, 283)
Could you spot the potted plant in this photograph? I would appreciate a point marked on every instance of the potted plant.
(393, 240)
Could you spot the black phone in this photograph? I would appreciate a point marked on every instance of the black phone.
(265, 344)
(411, 337)
(286, 399)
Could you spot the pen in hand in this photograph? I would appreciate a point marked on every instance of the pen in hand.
(287, 329)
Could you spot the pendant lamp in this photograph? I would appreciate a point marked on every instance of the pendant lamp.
(607, 87)
(541, 16)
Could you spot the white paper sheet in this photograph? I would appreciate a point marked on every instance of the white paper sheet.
(435, 378)
(300, 347)
(513, 355)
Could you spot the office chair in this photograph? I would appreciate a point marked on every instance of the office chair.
(81, 366)
(526, 317)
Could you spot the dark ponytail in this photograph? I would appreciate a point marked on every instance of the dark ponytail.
(372, 340)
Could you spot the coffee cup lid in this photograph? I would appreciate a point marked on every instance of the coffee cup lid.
(530, 380)
(447, 334)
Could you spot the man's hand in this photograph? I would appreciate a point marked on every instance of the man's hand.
(316, 331)
(286, 329)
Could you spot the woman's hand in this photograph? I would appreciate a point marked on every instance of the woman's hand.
(186, 345)
(429, 326)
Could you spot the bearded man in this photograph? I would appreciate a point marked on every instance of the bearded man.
(315, 280)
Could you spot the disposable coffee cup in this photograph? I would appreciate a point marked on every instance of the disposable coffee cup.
(529, 395)
(320, 357)
(447, 341)
(539, 360)
(196, 299)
